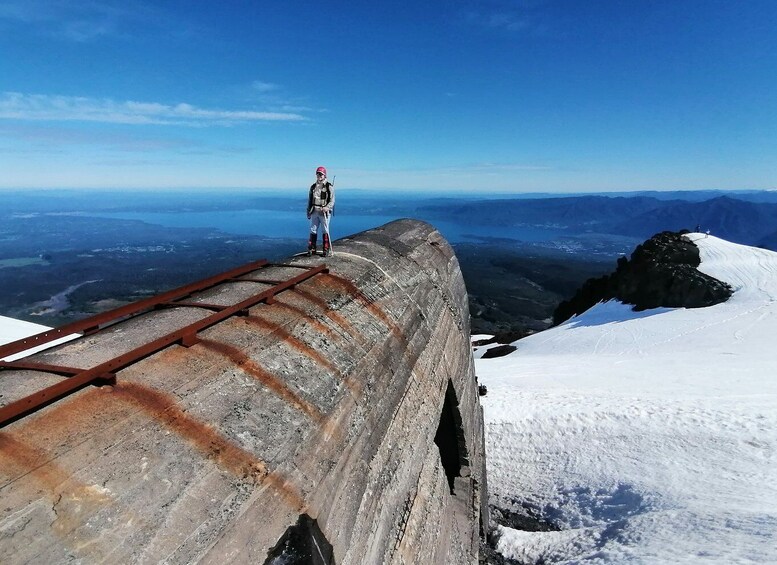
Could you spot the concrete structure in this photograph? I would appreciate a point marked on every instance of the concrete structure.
(348, 407)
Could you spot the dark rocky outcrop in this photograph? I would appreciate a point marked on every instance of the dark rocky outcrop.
(661, 272)
(499, 351)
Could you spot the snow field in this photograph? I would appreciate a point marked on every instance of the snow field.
(647, 437)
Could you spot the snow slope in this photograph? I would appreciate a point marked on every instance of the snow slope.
(648, 437)
(12, 330)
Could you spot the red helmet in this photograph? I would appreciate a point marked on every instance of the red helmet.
(321, 170)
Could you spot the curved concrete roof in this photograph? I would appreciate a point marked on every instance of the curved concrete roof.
(340, 400)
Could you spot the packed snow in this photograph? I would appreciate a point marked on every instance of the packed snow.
(645, 437)
(12, 330)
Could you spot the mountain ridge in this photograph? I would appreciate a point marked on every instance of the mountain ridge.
(738, 220)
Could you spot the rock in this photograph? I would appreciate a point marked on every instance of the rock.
(662, 272)
(499, 351)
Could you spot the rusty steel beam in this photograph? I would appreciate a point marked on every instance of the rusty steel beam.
(92, 324)
(186, 336)
(260, 281)
(190, 304)
(25, 365)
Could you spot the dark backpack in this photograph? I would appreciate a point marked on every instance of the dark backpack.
(326, 193)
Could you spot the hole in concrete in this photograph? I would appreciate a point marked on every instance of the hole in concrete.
(450, 437)
(302, 544)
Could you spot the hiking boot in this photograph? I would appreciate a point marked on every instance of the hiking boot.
(312, 244)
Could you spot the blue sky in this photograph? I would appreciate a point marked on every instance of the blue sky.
(510, 96)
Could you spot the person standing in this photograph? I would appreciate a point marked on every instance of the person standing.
(321, 202)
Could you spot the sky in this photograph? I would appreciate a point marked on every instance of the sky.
(479, 96)
(646, 437)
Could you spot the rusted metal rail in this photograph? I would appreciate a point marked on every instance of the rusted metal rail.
(94, 323)
(186, 336)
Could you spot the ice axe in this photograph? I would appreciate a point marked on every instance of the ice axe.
(333, 184)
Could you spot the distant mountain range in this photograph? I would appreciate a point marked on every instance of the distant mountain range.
(735, 220)
(739, 220)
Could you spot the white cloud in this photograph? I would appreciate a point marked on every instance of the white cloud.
(510, 22)
(526, 17)
(261, 86)
(69, 20)
(44, 107)
(88, 21)
(273, 96)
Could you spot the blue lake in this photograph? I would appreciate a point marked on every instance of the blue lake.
(288, 224)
